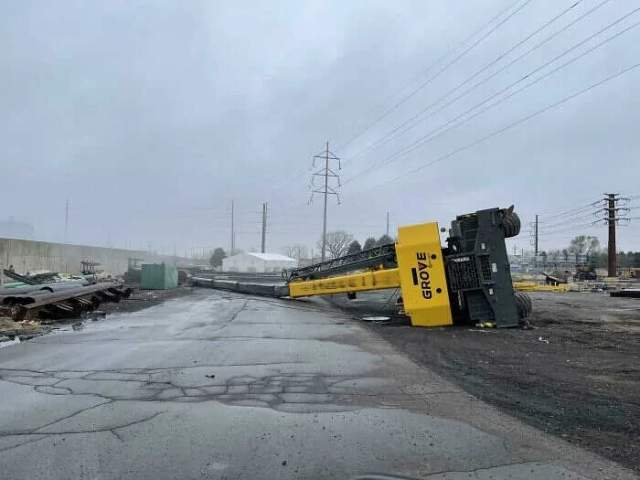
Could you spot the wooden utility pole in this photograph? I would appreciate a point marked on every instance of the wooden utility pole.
(611, 222)
(612, 219)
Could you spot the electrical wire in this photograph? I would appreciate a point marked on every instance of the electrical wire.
(413, 121)
(424, 84)
(442, 70)
(512, 124)
(550, 227)
(449, 125)
(569, 229)
(572, 211)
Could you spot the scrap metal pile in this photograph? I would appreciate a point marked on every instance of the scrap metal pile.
(58, 299)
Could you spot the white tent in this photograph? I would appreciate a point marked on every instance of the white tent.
(258, 262)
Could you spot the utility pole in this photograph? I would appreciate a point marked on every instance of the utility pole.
(535, 247)
(611, 222)
(612, 219)
(264, 226)
(535, 237)
(326, 190)
(387, 224)
(233, 233)
(66, 221)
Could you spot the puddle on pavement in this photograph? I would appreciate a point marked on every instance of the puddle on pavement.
(8, 343)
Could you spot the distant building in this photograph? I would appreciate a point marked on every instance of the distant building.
(12, 228)
(258, 262)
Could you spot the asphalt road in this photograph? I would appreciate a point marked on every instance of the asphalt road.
(218, 385)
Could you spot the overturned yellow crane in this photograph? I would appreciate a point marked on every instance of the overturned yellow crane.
(467, 281)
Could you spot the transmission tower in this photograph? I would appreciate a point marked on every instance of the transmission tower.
(325, 173)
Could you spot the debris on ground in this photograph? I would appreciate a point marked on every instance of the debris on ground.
(139, 300)
(94, 315)
(10, 329)
(376, 318)
(69, 302)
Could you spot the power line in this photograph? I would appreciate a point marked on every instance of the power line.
(571, 228)
(572, 210)
(428, 69)
(438, 131)
(514, 123)
(414, 120)
(442, 70)
(546, 24)
(567, 222)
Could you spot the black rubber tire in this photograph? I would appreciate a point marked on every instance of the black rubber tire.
(523, 304)
(511, 224)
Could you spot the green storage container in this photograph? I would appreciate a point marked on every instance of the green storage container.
(158, 276)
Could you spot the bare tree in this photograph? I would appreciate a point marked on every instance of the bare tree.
(296, 251)
(337, 243)
(584, 245)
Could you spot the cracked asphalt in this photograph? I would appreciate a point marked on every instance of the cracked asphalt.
(219, 385)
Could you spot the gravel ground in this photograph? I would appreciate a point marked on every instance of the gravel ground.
(575, 375)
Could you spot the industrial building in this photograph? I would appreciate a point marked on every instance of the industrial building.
(258, 262)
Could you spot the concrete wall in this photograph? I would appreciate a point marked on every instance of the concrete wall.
(29, 256)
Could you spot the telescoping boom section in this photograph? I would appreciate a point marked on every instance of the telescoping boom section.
(419, 273)
(467, 281)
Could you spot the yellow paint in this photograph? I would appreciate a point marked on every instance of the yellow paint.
(355, 282)
(422, 275)
(527, 286)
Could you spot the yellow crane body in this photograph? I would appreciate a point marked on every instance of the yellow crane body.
(420, 275)
(423, 281)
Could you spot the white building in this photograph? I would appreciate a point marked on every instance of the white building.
(258, 262)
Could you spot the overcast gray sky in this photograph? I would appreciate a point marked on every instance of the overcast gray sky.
(151, 116)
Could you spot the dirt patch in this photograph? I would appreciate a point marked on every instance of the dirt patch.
(23, 330)
(575, 375)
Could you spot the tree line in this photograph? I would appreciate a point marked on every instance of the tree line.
(586, 249)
